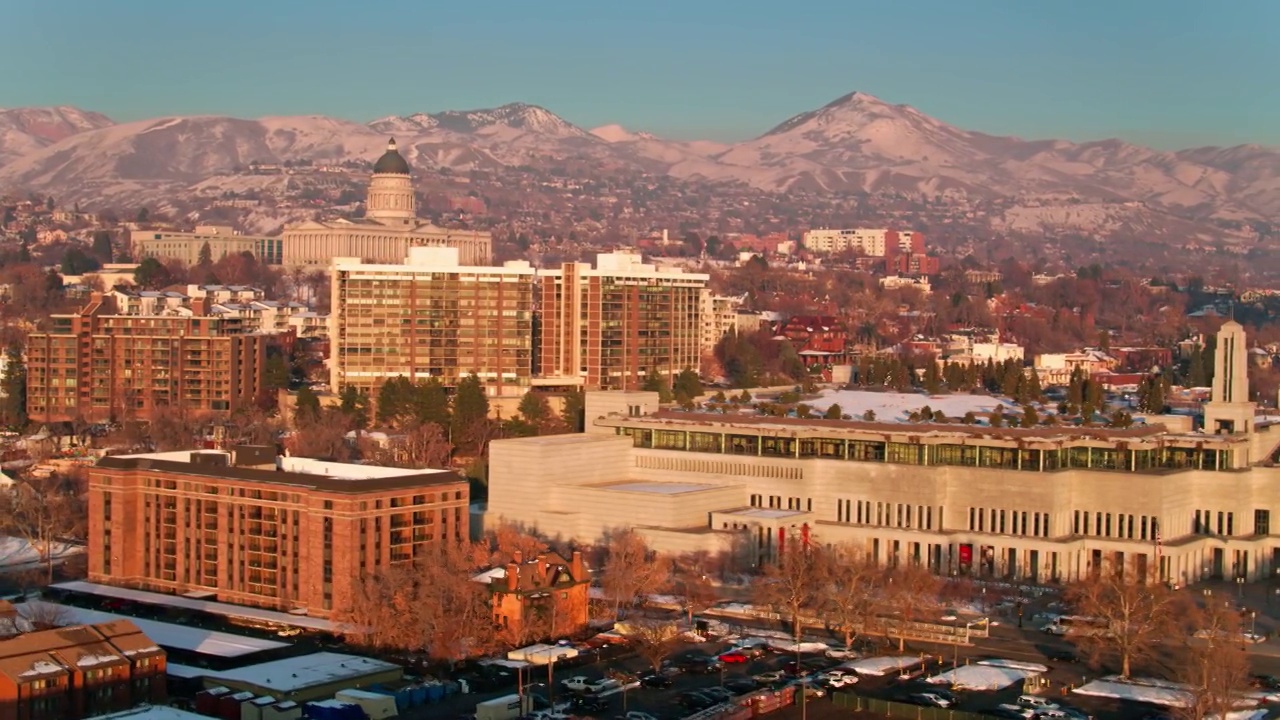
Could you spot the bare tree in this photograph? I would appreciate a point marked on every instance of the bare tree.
(1216, 666)
(426, 445)
(48, 513)
(1136, 614)
(171, 428)
(911, 590)
(653, 639)
(430, 606)
(690, 580)
(46, 616)
(509, 541)
(853, 592)
(632, 569)
(793, 583)
(325, 437)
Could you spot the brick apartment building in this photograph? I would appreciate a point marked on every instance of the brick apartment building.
(78, 671)
(608, 327)
(103, 364)
(432, 318)
(245, 526)
(542, 597)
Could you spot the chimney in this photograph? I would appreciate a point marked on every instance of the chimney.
(575, 567)
(517, 557)
(513, 577)
(542, 566)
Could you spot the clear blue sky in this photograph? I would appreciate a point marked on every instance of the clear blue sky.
(1171, 73)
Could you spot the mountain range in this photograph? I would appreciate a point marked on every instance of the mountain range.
(857, 143)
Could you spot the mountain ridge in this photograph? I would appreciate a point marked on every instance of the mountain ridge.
(855, 143)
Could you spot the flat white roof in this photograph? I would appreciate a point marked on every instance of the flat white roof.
(657, 488)
(764, 513)
(209, 606)
(306, 466)
(172, 635)
(151, 712)
(188, 672)
(299, 673)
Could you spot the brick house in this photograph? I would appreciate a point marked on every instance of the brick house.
(545, 597)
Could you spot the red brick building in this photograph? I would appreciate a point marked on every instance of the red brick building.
(247, 527)
(77, 671)
(543, 597)
(100, 364)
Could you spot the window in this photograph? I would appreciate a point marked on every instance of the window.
(1261, 522)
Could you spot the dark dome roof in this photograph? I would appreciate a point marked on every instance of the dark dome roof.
(391, 162)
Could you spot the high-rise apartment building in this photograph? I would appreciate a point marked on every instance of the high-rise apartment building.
(608, 327)
(432, 317)
(103, 364)
(248, 527)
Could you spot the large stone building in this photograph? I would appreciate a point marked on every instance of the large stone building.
(432, 317)
(117, 359)
(248, 527)
(1043, 503)
(390, 227)
(609, 327)
(185, 247)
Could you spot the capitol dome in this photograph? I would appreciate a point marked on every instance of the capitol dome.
(391, 162)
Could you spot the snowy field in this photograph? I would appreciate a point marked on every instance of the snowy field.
(988, 675)
(882, 665)
(895, 407)
(16, 552)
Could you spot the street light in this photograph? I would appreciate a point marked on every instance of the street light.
(1240, 585)
(1253, 624)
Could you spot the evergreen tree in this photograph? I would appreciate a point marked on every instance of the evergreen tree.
(307, 405)
(275, 374)
(969, 418)
(573, 415)
(932, 379)
(431, 402)
(76, 262)
(205, 259)
(996, 418)
(654, 382)
(833, 413)
(1030, 418)
(1033, 390)
(355, 405)
(102, 248)
(151, 274)
(534, 408)
(687, 385)
(470, 409)
(14, 383)
(1198, 373)
(394, 400)
(869, 416)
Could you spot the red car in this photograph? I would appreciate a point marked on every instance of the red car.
(734, 656)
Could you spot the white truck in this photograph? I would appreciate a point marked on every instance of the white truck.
(507, 707)
(583, 684)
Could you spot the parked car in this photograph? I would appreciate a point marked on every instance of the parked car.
(734, 657)
(1035, 702)
(588, 704)
(1011, 711)
(637, 715)
(694, 700)
(718, 693)
(1062, 656)
(655, 680)
(704, 665)
(741, 686)
(1061, 713)
(766, 678)
(1269, 682)
(928, 698)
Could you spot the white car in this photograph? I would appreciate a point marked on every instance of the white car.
(932, 699)
(772, 676)
(1025, 712)
(838, 678)
(1035, 702)
(637, 715)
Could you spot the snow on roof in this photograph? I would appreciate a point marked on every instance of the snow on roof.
(18, 551)
(187, 672)
(986, 676)
(1153, 694)
(299, 673)
(895, 407)
(657, 488)
(41, 667)
(150, 712)
(883, 665)
(217, 608)
(171, 635)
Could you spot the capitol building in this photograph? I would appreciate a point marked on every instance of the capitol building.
(389, 228)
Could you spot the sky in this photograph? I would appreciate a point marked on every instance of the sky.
(1167, 73)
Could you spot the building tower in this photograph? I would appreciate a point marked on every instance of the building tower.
(1229, 411)
(391, 199)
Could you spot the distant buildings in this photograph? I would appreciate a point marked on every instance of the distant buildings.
(247, 527)
(388, 229)
(719, 316)
(608, 327)
(126, 355)
(185, 247)
(432, 317)
(889, 251)
(76, 671)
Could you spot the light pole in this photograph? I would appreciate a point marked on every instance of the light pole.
(1253, 624)
(1240, 586)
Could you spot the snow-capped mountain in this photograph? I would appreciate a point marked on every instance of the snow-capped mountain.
(856, 143)
(24, 130)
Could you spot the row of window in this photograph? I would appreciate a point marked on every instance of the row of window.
(1009, 522)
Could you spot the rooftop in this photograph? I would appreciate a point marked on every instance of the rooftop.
(151, 712)
(174, 636)
(657, 488)
(209, 606)
(765, 513)
(291, 675)
(302, 472)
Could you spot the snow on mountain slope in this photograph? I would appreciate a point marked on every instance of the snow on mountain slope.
(25, 130)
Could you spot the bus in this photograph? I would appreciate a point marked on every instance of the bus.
(1076, 625)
